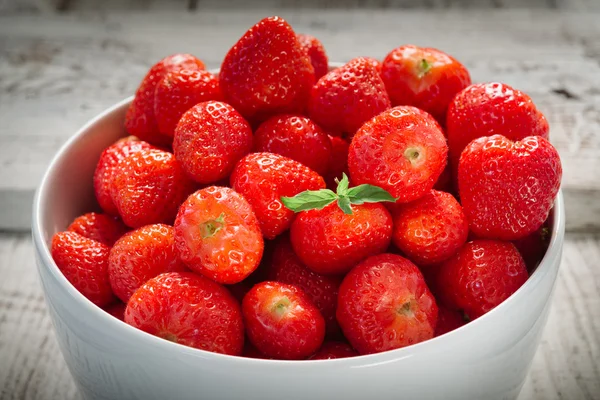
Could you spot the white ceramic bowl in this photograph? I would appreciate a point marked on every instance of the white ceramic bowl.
(486, 359)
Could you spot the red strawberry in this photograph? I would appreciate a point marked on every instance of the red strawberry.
(322, 290)
(100, 227)
(148, 187)
(338, 162)
(190, 310)
(330, 238)
(402, 150)
(423, 77)
(141, 255)
(281, 322)
(263, 178)
(448, 320)
(347, 97)
(316, 52)
(179, 91)
(84, 262)
(117, 310)
(217, 235)
(480, 276)
(267, 72)
(106, 167)
(209, 139)
(332, 350)
(251, 352)
(431, 229)
(508, 188)
(384, 304)
(375, 63)
(486, 109)
(533, 247)
(295, 137)
(140, 120)
(445, 183)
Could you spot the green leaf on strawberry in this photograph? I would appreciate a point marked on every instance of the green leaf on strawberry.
(345, 197)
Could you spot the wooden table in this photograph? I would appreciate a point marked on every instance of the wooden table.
(57, 70)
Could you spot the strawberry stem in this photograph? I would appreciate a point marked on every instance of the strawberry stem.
(211, 227)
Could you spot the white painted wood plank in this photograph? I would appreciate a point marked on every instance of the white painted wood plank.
(566, 365)
(57, 72)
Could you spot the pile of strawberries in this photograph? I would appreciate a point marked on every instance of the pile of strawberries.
(281, 210)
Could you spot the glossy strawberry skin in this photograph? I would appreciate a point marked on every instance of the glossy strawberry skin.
(263, 178)
(347, 97)
(267, 72)
(375, 63)
(333, 350)
(281, 322)
(179, 91)
(140, 119)
(84, 262)
(338, 162)
(188, 309)
(141, 255)
(295, 137)
(402, 150)
(330, 242)
(384, 304)
(322, 290)
(210, 139)
(487, 109)
(448, 320)
(103, 228)
(423, 77)
(508, 188)
(218, 236)
(148, 187)
(480, 276)
(316, 52)
(106, 167)
(431, 229)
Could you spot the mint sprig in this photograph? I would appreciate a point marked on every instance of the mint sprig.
(345, 197)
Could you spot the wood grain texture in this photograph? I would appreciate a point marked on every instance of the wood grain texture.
(58, 71)
(566, 365)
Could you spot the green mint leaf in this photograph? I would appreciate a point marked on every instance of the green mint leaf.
(342, 187)
(309, 199)
(369, 194)
(344, 204)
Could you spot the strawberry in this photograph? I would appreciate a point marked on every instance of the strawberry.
(295, 137)
(486, 109)
(347, 97)
(448, 320)
(188, 309)
(423, 77)
(508, 188)
(384, 304)
(251, 352)
(332, 350)
(322, 290)
(140, 120)
(209, 139)
(141, 255)
(431, 229)
(480, 276)
(338, 162)
(267, 71)
(106, 167)
(316, 52)
(218, 236)
(533, 247)
(84, 262)
(179, 91)
(402, 150)
(148, 186)
(117, 310)
(262, 178)
(375, 63)
(281, 322)
(445, 182)
(335, 231)
(100, 227)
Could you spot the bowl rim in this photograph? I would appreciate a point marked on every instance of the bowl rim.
(45, 261)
